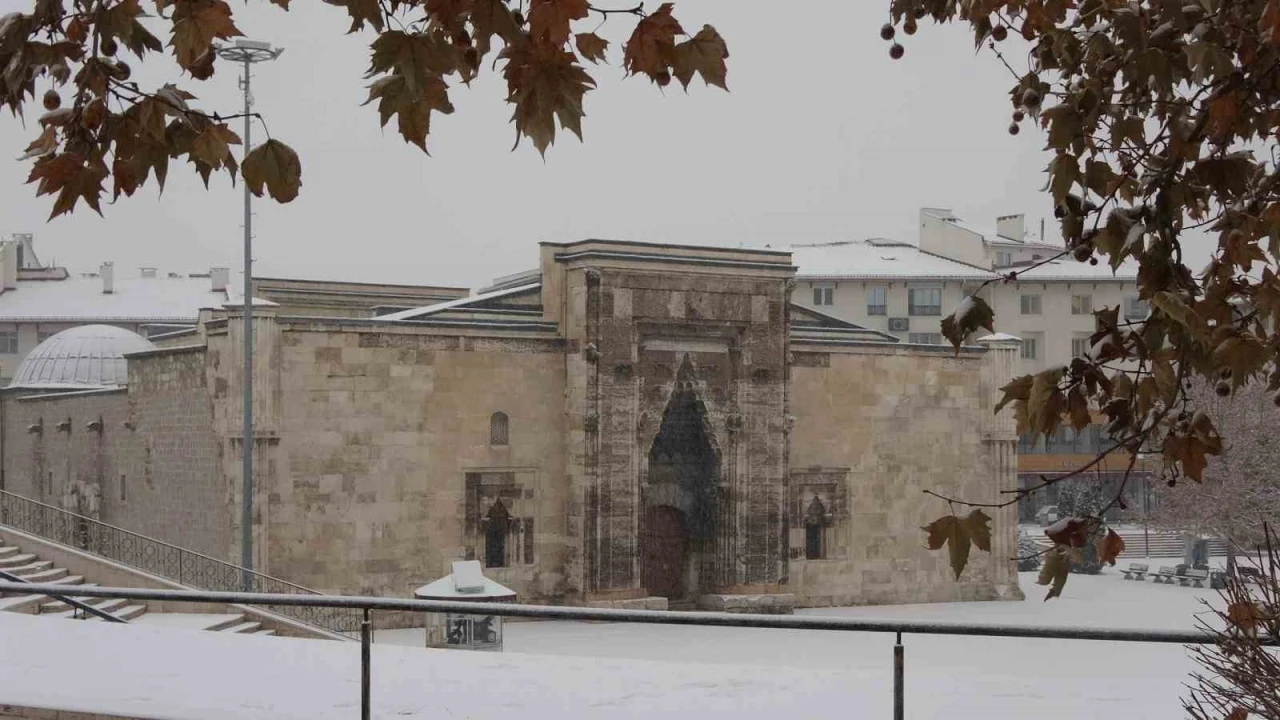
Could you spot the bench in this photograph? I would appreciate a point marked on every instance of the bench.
(1166, 575)
(1193, 577)
(1249, 574)
(1137, 571)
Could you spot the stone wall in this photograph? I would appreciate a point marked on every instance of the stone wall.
(151, 452)
(386, 466)
(874, 428)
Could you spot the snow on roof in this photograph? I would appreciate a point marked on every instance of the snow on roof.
(418, 313)
(80, 299)
(88, 356)
(1068, 269)
(466, 581)
(877, 259)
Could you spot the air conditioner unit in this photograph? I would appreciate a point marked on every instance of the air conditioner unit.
(899, 324)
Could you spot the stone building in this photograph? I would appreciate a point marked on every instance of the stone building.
(631, 424)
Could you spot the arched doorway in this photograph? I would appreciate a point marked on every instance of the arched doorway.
(681, 498)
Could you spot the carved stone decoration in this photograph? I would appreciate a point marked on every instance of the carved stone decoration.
(790, 287)
(733, 423)
(623, 372)
(591, 423)
(789, 424)
(591, 352)
(642, 423)
(592, 275)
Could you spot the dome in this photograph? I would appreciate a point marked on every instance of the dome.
(89, 356)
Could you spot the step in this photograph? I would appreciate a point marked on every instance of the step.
(45, 576)
(16, 560)
(33, 567)
(126, 613)
(108, 606)
(246, 627)
(25, 603)
(7, 550)
(55, 606)
(231, 621)
(265, 633)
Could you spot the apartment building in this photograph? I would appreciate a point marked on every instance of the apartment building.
(905, 289)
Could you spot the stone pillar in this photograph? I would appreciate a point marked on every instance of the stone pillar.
(1000, 442)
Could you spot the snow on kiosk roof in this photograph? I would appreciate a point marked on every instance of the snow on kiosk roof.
(466, 582)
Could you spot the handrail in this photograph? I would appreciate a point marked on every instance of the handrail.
(186, 567)
(785, 622)
(63, 598)
(654, 617)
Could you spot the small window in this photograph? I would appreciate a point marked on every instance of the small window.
(1030, 304)
(48, 484)
(499, 430)
(1080, 346)
(815, 519)
(1135, 309)
(528, 541)
(497, 525)
(1004, 258)
(824, 296)
(876, 302)
(1028, 348)
(124, 495)
(1081, 304)
(924, 338)
(9, 341)
(924, 301)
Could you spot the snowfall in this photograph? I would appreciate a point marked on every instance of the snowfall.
(592, 670)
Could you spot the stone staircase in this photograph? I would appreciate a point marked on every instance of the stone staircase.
(32, 569)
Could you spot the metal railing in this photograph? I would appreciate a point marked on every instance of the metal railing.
(366, 605)
(77, 605)
(183, 566)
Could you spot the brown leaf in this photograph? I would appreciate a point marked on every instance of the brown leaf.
(275, 166)
(980, 529)
(1018, 389)
(1057, 564)
(196, 24)
(549, 20)
(652, 46)
(43, 145)
(212, 146)
(954, 533)
(1069, 532)
(703, 54)
(1046, 404)
(72, 178)
(1237, 714)
(591, 46)
(972, 313)
(1078, 408)
(1269, 22)
(412, 111)
(545, 84)
(1109, 547)
(361, 11)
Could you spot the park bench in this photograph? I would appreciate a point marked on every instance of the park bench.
(1194, 577)
(1166, 575)
(1137, 571)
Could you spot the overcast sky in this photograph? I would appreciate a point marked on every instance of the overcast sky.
(821, 137)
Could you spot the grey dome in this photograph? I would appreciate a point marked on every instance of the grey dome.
(89, 356)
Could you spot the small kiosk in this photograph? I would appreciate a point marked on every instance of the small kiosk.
(456, 631)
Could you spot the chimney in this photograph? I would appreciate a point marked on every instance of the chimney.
(221, 277)
(108, 273)
(1012, 227)
(9, 264)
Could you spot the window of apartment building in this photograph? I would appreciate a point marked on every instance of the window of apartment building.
(1136, 309)
(1004, 258)
(924, 338)
(1029, 348)
(877, 304)
(1081, 304)
(1080, 346)
(9, 341)
(924, 301)
(1030, 305)
(824, 295)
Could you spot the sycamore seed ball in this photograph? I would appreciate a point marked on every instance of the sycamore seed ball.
(1031, 98)
(909, 27)
(999, 33)
(1223, 388)
(896, 51)
(108, 46)
(1014, 129)
(52, 100)
(886, 32)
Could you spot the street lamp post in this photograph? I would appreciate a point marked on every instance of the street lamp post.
(247, 52)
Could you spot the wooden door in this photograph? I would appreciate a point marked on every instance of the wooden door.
(666, 540)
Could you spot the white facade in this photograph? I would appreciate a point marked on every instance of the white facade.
(906, 289)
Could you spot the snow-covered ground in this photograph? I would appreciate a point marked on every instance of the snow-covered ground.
(566, 670)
